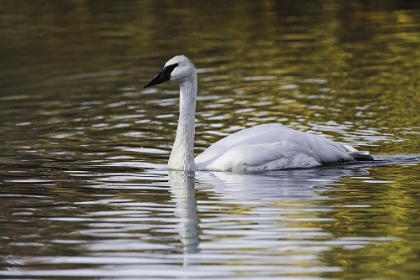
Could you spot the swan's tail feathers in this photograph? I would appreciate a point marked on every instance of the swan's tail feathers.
(361, 156)
(358, 155)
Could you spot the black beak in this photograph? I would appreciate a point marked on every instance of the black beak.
(163, 76)
(158, 79)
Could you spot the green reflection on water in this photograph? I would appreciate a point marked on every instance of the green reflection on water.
(382, 205)
(351, 63)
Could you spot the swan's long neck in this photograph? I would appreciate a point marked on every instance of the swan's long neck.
(182, 154)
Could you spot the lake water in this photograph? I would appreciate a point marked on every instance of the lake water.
(84, 189)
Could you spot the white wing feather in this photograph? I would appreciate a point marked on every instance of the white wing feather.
(270, 147)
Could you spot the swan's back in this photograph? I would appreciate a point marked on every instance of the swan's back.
(270, 147)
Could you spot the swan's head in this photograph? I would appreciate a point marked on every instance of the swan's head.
(178, 70)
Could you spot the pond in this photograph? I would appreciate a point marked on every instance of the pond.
(84, 187)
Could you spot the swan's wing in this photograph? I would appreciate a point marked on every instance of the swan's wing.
(244, 136)
(270, 147)
(258, 157)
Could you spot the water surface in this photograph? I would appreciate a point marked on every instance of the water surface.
(84, 189)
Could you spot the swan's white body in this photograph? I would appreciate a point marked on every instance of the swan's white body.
(270, 147)
(263, 147)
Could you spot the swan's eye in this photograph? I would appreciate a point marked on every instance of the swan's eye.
(163, 76)
(168, 70)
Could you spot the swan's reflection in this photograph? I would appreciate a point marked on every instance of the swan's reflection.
(301, 186)
(287, 184)
(183, 194)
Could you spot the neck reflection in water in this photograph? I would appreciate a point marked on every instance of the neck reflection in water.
(183, 194)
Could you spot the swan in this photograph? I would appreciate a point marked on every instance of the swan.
(259, 148)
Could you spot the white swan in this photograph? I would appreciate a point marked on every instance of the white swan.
(263, 147)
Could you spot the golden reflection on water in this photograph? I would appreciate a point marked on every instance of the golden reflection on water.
(269, 62)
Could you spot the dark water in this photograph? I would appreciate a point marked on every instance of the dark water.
(83, 187)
